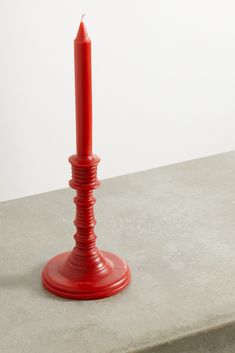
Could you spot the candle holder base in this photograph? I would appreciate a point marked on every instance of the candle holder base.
(65, 281)
(85, 272)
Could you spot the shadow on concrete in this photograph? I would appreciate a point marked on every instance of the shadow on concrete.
(30, 281)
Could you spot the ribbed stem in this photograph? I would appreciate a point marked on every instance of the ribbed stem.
(85, 257)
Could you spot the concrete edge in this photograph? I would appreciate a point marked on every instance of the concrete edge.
(216, 339)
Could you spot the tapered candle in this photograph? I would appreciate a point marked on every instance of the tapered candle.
(85, 272)
(83, 92)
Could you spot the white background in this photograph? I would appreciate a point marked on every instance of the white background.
(163, 86)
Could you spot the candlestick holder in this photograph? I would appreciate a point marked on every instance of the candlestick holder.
(85, 272)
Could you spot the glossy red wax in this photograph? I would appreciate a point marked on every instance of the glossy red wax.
(83, 92)
(85, 272)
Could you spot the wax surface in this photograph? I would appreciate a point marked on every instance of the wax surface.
(83, 92)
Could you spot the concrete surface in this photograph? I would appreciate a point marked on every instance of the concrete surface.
(176, 228)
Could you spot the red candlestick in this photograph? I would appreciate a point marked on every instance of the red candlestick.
(85, 272)
(83, 92)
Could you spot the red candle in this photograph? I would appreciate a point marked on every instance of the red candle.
(85, 272)
(83, 92)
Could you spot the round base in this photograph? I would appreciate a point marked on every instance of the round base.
(94, 286)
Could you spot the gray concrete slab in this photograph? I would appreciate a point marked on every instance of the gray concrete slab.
(176, 228)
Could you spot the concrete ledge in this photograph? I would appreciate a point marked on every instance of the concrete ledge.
(218, 339)
(174, 225)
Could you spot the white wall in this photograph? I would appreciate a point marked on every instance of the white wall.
(163, 86)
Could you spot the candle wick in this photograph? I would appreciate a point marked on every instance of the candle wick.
(83, 15)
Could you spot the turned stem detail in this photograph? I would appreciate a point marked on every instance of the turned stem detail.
(85, 256)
